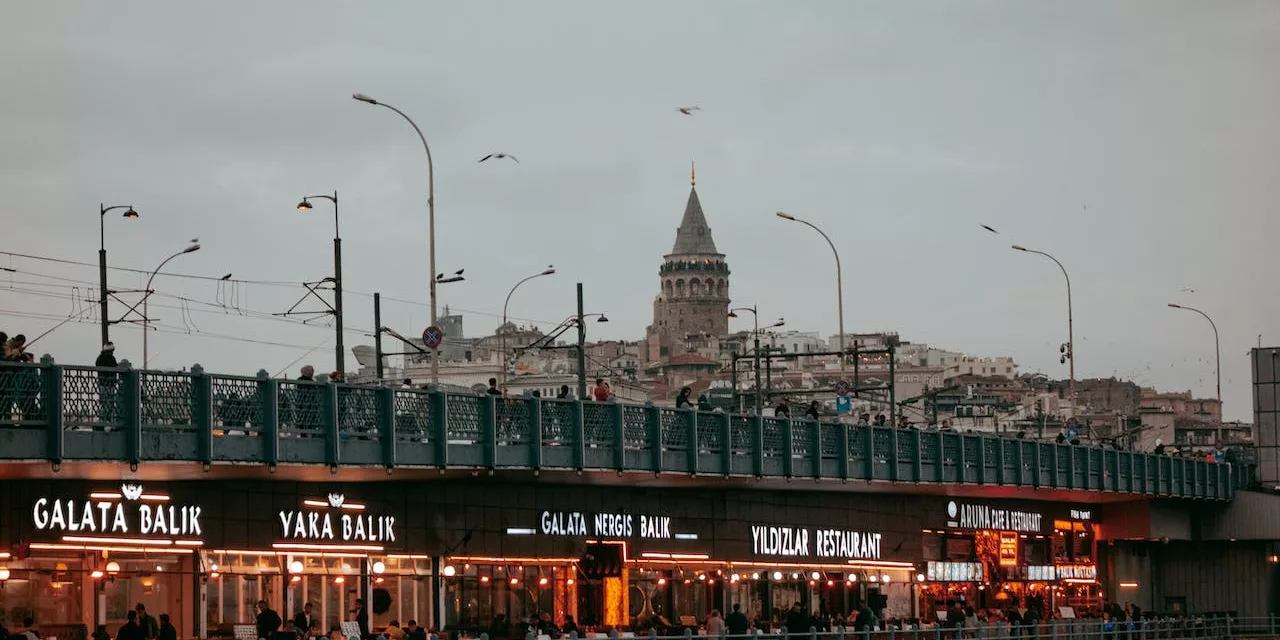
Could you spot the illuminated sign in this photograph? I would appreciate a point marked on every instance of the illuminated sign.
(953, 571)
(337, 520)
(1042, 572)
(1008, 549)
(605, 525)
(130, 511)
(1081, 514)
(1077, 572)
(826, 543)
(981, 516)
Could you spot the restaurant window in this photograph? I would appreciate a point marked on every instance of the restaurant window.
(478, 593)
(43, 589)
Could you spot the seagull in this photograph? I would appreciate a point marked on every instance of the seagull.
(499, 156)
(990, 229)
(688, 111)
(1188, 290)
(226, 277)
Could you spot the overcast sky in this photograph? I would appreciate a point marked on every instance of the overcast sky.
(1135, 141)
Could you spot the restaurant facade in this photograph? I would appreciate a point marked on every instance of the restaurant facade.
(455, 553)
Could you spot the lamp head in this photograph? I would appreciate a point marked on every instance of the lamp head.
(1174, 306)
(780, 322)
(1018, 247)
(363, 98)
(786, 216)
(305, 205)
(602, 318)
(130, 213)
(733, 314)
(192, 248)
(549, 270)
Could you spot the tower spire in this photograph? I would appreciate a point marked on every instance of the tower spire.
(693, 175)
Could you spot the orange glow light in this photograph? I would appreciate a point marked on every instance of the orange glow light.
(326, 547)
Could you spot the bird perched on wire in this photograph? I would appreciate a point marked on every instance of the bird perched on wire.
(499, 156)
(226, 277)
(688, 111)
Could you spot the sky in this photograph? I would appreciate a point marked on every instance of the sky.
(1135, 141)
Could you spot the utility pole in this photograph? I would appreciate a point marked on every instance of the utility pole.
(759, 406)
(377, 335)
(582, 353)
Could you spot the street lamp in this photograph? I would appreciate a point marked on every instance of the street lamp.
(755, 316)
(102, 262)
(146, 295)
(839, 281)
(502, 337)
(1068, 350)
(431, 221)
(305, 205)
(1217, 351)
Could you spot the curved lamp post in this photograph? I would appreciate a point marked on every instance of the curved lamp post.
(755, 316)
(502, 338)
(1068, 350)
(102, 262)
(431, 220)
(1217, 351)
(340, 360)
(839, 281)
(146, 293)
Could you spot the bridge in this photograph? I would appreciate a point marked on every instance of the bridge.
(53, 415)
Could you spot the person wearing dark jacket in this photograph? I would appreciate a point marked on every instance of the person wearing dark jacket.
(362, 614)
(796, 621)
(130, 629)
(736, 622)
(150, 628)
(865, 620)
(167, 630)
(268, 620)
(683, 399)
(812, 412)
(304, 621)
(782, 411)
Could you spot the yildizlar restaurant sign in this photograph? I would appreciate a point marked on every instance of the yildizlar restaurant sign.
(334, 519)
(127, 512)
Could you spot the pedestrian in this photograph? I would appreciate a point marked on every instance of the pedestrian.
(812, 412)
(493, 387)
(736, 622)
(564, 393)
(150, 628)
(602, 392)
(715, 624)
(782, 410)
(683, 400)
(108, 385)
(268, 620)
(704, 402)
(167, 630)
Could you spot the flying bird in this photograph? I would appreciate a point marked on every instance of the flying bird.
(499, 156)
(688, 111)
(1188, 290)
(990, 229)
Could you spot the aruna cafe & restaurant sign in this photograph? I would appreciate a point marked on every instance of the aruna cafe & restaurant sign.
(334, 520)
(132, 512)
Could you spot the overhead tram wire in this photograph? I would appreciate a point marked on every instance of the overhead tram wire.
(269, 283)
(207, 334)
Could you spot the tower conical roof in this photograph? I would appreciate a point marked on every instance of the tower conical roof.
(694, 235)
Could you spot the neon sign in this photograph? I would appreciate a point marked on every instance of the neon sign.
(129, 511)
(328, 520)
(606, 525)
(827, 543)
(981, 516)
(1008, 549)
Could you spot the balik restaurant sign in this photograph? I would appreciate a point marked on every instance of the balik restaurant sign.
(604, 525)
(128, 512)
(961, 515)
(822, 543)
(336, 520)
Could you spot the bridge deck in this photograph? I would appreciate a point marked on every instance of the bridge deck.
(63, 414)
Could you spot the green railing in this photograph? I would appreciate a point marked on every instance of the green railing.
(60, 413)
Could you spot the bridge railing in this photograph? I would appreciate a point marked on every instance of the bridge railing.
(66, 413)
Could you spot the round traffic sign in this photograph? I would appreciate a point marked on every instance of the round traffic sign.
(432, 336)
(842, 387)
